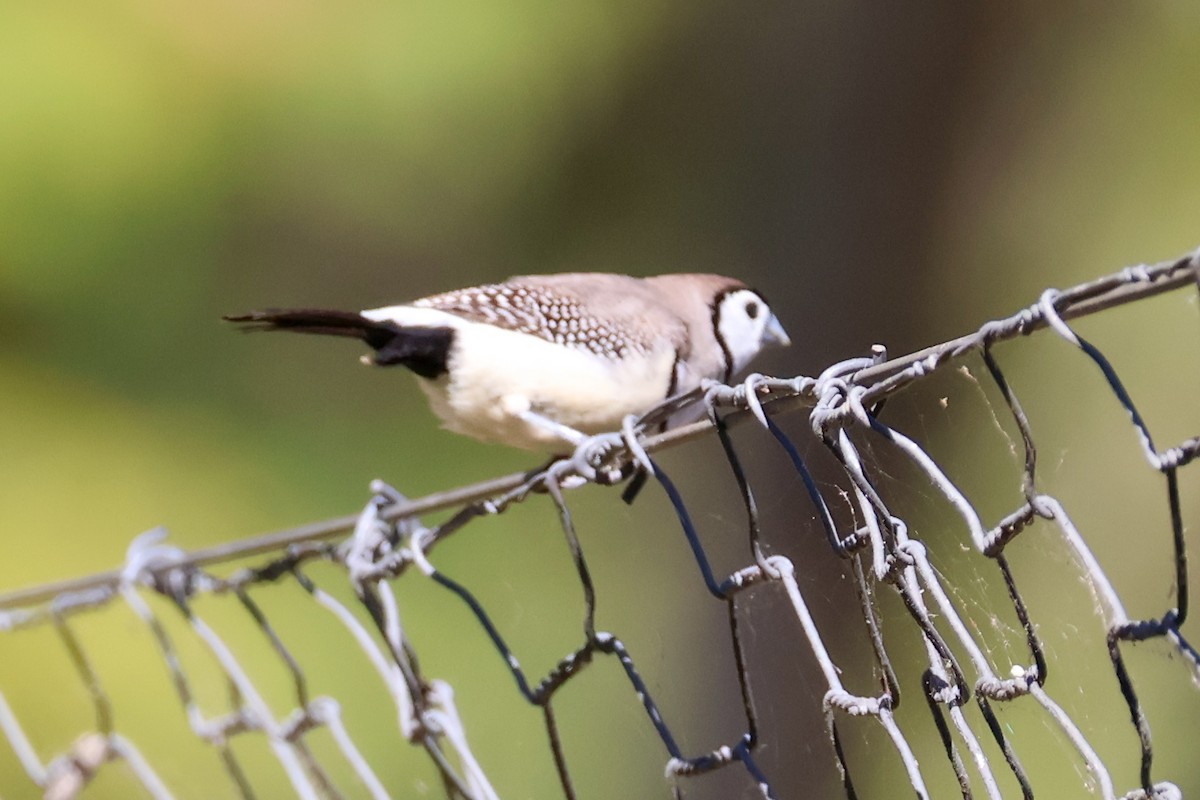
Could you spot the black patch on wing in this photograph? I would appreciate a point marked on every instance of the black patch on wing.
(425, 351)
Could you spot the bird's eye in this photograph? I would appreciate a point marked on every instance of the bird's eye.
(752, 310)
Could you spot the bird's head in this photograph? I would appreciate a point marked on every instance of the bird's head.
(744, 325)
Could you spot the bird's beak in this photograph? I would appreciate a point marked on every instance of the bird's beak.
(774, 333)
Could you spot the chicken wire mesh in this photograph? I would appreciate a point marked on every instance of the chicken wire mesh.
(860, 492)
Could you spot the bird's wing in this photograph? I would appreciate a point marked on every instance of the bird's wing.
(609, 315)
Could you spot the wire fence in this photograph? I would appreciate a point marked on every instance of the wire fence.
(964, 681)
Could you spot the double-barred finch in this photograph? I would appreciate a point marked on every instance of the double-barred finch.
(540, 361)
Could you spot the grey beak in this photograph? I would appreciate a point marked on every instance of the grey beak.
(775, 334)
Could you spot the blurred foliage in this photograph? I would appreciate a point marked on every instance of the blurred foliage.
(883, 174)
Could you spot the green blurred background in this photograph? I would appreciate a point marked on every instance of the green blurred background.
(892, 175)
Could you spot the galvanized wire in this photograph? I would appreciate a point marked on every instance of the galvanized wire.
(844, 404)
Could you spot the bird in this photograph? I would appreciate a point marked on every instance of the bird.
(541, 362)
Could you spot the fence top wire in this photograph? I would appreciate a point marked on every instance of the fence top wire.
(879, 376)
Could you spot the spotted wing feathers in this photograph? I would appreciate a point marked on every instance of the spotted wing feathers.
(558, 312)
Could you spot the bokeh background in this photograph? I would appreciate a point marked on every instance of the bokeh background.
(884, 174)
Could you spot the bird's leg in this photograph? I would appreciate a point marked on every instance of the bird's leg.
(578, 438)
(533, 477)
(564, 432)
(536, 471)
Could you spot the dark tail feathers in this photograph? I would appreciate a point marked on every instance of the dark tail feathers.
(422, 350)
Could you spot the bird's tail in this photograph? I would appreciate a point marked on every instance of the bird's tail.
(316, 320)
(422, 350)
